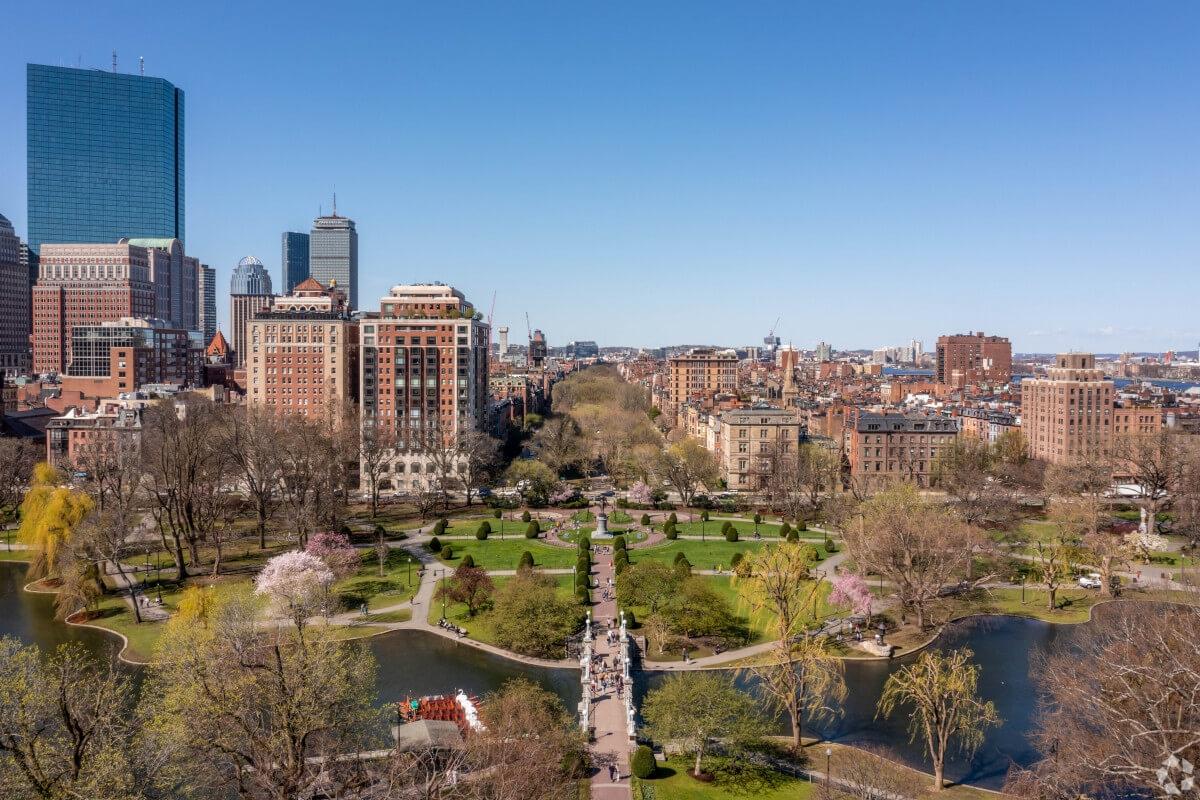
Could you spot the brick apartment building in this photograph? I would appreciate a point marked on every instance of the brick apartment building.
(751, 441)
(114, 358)
(78, 438)
(1069, 412)
(302, 352)
(424, 375)
(985, 424)
(700, 373)
(885, 447)
(973, 358)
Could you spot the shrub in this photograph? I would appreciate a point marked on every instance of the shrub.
(735, 560)
(497, 513)
(793, 537)
(830, 547)
(526, 560)
(801, 525)
(784, 530)
(630, 619)
(582, 567)
(584, 544)
(537, 526)
(531, 531)
(620, 566)
(683, 566)
(621, 557)
(447, 553)
(680, 556)
(434, 545)
(467, 561)
(674, 520)
(704, 515)
(618, 543)
(669, 530)
(380, 531)
(726, 528)
(525, 516)
(642, 765)
(583, 595)
(757, 518)
(811, 554)
(439, 527)
(645, 519)
(483, 530)
(731, 535)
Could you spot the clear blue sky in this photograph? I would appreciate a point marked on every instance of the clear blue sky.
(649, 173)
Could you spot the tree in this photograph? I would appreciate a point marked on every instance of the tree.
(797, 481)
(850, 590)
(940, 692)
(693, 709)
(251, 438)
(335, 550)
(917, 545)
(50, 514)
(1053, 559)
(699, 609)
(639, 494)
(1083, 482)
(648, 583)
(559, 444)
(1119, 707)
(295, 585)
(479, 458)
(802, 673)
(376, 446)
(965, 470)
(17, 459)
(469, 585)
(533, 478)
(261, 713)
(531, 618)
(686, 465)
(308, 461)
(105, 536)
(67, 731)
(1157, 463)
(871, 775)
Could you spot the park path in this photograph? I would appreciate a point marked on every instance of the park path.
(611, 744)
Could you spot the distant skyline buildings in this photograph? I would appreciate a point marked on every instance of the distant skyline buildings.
(333, 254)
(105, 156)
(294, 260)
(208, 302)
(14, 302)
(250, 277)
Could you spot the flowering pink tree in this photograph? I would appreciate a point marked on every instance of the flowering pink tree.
(851, 591)
(336, 551)
(640, 494)
(563, 494)
(294, 584)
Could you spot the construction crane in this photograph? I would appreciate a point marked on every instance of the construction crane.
(491, 313)
(771, 340)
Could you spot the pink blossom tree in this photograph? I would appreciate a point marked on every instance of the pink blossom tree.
(640, 494)
(336, 551)
(851, 591)
(295, 585)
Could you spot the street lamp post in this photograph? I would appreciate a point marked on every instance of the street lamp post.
(440, 573)
(828, 774)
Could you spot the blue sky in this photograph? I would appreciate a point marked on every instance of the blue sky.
(650, 173)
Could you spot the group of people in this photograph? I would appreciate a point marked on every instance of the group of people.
(450, 626)
(606, 676)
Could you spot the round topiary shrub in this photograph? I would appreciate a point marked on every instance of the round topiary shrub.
(784, 530)
(793, 537)
(439, 527)
(674, 520)
(757, 518)
(434, 545)
(731, 535)
(680, 556)
(704, 515)
(525, 516)
(620, 557)
(497, 513)
(642, 765)
(683, 565)
(618, 543)
(645, 519)
(584, 543)
(526, 560)
(620, 566)
(735, 560)
(582, 567)
(467, 561)
(447, 553)
(483, 530)
(531, 530)
(669, 530)
(830, 547)
(726, 527)
(801, 525)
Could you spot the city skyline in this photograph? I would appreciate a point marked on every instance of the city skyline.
(973, 161)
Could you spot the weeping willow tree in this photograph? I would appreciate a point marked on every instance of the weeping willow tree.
(50, 514)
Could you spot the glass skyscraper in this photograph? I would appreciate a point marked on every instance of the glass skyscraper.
(250, 277)
(295, 260)
(333, 254)
(105, 156)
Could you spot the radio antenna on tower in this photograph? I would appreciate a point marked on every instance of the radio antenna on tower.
(141, 66)
(114, 60)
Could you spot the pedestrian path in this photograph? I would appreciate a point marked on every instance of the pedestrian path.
(608, 715)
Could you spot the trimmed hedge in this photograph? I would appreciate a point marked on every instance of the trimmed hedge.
(645, 519)
(447, 552)
(439, 527)
(531, 530)
(830, 547)
(784, 530)
(642, 765)
(467, 561)
(731, 535)
(434, 545)
(483, 530)
(618, 542)
(674, 520)
(793, 537)
(669, 530)
(525, 517)
(526, 560)
(583, 595)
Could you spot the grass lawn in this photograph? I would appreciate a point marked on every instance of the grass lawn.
(768, 530)
(398, 584)
(672, 782)
(631, 536)
(702, 555)
(480, 626)
(506, 553)
(398, 615)
(1073, 604)
(114, 614)
(343, 633)
(16, 555)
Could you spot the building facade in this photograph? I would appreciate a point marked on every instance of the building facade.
(79, 439)
(752, 441)
(303, 353)
(114, 358)
(701, 373)
(333, 255)
(105, 156)
(85, 284)
(207, 292)
(973, 357)
(884, 448)
(242, 309)
(294, 260)
(250, 277)
(423, 375)
(1069, 412)
(176, 279)
(15, 306)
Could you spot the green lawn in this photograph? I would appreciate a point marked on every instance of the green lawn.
(631, 536)
(494, 554)
(114, 614)
(480, 626)
(398, 584)
(672, 782)
(1073, 604)
(703, 555)
(16, 555)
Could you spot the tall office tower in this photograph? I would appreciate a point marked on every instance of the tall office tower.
(333, 255)
(303, 356)
(423, 375)
(1069, 413)
(250, 277)
(14, 303)
(105, 156)
(207, 291)
(85, 284)
(503, 341)
(824, 351)
(966, 358)
(294, 260)
(176, 279)
(249, 293)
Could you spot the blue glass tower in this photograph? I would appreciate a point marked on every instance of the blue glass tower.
(295, 260)
(105, 156)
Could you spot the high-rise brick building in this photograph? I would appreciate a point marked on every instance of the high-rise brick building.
(973, 357)
(1068, 413)
(85, 284)
(14, 303)
(424, 375)
(302, 355)
(701, 373)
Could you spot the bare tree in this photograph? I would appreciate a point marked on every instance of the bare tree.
(870, 775)
(479, 459)
(303, 459)
(377, 445)
(968, 472)
(251, 440)
(686, 465)
(559, 444)
(1157, 463)
(108, 536)
(17, 457)
(1121, 707)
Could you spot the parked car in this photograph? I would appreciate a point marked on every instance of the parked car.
(1090, 581)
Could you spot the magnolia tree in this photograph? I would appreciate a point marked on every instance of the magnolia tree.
(336, 551)
(640, 493)
(565, 493)
(294, 584)
(1144, 544)
(851, 591)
